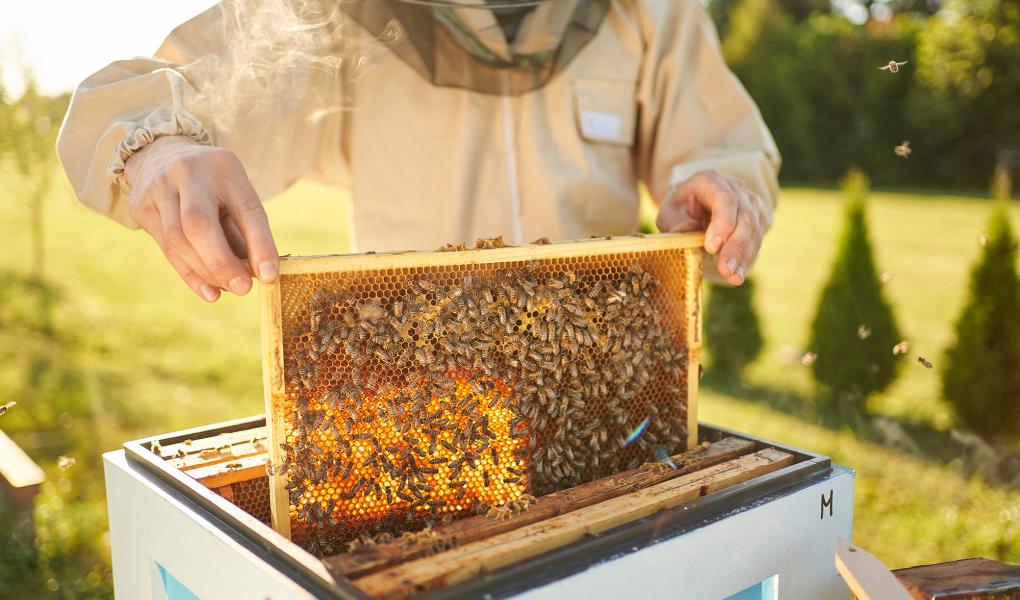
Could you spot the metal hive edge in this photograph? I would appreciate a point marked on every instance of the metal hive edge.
(241, 527)
(301, 566)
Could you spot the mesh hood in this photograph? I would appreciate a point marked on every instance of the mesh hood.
(504, 47)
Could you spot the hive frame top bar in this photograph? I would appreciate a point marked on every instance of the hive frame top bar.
(297, 265)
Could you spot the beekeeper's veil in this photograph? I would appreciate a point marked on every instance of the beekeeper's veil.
(490, 46)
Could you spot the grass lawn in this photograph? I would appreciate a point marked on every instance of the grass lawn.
(127, 351)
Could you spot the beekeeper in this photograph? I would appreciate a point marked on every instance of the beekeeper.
(447, 120)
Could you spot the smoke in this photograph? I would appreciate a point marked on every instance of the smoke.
(275, 53)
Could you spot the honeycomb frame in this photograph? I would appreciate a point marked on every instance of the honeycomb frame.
(280, 315)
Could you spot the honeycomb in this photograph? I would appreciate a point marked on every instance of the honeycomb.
(420, 393)
(251, 496)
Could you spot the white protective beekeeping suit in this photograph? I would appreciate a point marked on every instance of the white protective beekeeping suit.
(542, 122)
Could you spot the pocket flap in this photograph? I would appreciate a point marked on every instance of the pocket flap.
(605, 110)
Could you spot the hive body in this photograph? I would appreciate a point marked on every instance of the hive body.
(413, 388)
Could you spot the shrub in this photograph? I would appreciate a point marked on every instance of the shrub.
(732, 334)
(854, 329)
(982, 370)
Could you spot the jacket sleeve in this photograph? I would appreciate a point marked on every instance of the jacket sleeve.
(128, 104)
(695, 114)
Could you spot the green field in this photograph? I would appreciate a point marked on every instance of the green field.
(125, 350)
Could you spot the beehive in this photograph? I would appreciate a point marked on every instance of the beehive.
(407, 389)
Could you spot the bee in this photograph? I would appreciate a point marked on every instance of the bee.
(808, 359)
(499, 513)
(892, 66)
(927, 364)
(542, 241)
(901, 348)
(426, 286)
(66, 462)
(863, 332)
(398, 309)
(485, 478)
(903, 150)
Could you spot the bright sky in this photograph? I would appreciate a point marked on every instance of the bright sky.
(65, 41)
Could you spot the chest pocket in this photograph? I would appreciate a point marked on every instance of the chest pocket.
(605, 110)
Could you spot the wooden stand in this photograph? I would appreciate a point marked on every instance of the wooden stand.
(971, 578)
(20, 480)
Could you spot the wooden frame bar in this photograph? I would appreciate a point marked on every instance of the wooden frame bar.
(694, 295)
(338, 263)
(274, 392)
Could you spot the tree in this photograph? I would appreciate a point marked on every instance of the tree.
(982, 369)
(732, 334)
(854, 329)
(798, 10)
(27, 138)
(762, 50)
(969, 75)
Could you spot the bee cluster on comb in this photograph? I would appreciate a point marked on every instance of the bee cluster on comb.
(414, 396)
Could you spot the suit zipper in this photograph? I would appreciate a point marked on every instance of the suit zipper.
(511, 169)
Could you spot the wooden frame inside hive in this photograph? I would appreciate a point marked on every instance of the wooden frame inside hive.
(611, 327)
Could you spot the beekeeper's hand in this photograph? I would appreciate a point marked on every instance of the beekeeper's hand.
(733, 217)
(197, 203)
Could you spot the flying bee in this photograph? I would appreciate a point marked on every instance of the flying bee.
(927, 364)
(901, 348)
(903, 150)
(892, 66)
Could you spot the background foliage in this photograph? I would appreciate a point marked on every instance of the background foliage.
(814, 74)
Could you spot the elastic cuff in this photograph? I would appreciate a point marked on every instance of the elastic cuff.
(181, 124)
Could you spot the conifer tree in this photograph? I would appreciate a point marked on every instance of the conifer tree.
(732, 333)
(854, 329)
(982, 369)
